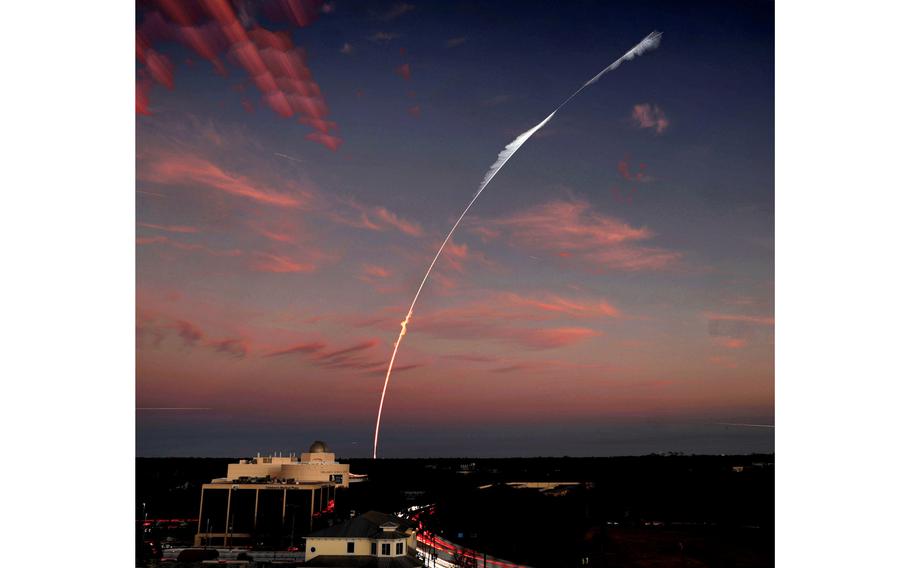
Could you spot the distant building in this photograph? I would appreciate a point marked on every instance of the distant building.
(269, 498)
(371, 539)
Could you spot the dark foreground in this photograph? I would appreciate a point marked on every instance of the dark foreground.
(629, 511)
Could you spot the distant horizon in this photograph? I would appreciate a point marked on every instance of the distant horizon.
(368, 458)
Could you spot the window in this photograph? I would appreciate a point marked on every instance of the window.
(312, 549)
(399, 548)
(373, 548)
(386, 549)
(350, 548)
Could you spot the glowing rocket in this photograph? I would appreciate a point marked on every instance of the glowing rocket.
(652, 41)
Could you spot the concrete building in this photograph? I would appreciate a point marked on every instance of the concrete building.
(270, 499)
(371, 539)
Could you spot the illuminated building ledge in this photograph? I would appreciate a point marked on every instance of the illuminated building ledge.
(256, 495)
(316, 466)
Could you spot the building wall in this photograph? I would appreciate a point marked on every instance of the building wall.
(316, 472)
(336, 546)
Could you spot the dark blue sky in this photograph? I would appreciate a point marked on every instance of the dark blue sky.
(613, 286)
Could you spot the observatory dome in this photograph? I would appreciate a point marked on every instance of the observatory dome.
(318, 447)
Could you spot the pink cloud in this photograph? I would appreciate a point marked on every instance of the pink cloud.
(562, 306)
(276, 236)
(392, 220)
(374, 271)
(625, 170)
(210, 28)
(266, 262)
(327, 140)
(496, 320)
(234, 347)
(192, 170)
(301, 13)
(553, 338)
(374, 218)
(404, 71)
(194, 247)
(159, 68)
(648, 116)
(731, 342)
(358, 357)
(142, 96)
(299, 349)
(572, 229)
(170, 228)
(159, 327)
(190, 333)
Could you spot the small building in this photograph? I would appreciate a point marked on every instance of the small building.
(270, 498)
(371, 539)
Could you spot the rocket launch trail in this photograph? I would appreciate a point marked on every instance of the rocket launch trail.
(652, 41)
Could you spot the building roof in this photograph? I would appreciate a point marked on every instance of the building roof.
(364, 562)
(367, 525)
(319, 447)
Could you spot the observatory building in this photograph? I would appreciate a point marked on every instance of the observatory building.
(269, 499)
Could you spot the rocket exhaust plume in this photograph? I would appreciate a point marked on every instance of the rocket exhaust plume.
(649, 43)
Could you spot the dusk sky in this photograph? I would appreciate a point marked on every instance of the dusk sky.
(298, 164)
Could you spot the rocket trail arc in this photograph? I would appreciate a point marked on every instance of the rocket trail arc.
(652, 41)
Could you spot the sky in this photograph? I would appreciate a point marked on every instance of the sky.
(299, 162)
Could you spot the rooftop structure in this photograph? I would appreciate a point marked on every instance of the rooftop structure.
(270, 498)
(318, 465)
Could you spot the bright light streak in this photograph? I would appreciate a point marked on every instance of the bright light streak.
(652, 41)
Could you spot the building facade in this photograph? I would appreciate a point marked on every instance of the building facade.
(366, 540)
(270, 500)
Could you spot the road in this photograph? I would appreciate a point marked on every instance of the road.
(437, 552)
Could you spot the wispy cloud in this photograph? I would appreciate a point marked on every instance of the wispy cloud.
(299, 349)
(234, 347)
(456, 41)
(329, 141)
(170, 228)
(373, 218)
(395, 11)
(572, 229)
(159, 327)
(647, 116)
(360, 356)
(373, 271)
(501, 318)
(195, 171)
(735, 331)
(189, 332)
(382, 37)
(191, 247)
(267, 262)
